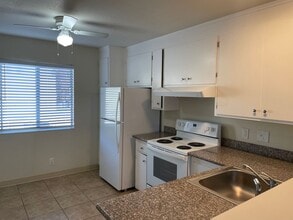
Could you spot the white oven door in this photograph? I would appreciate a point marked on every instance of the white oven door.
(164, 166)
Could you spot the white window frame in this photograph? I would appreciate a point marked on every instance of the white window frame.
(35, 97)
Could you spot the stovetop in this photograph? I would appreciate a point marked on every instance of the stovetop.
(190, 136)
(183, 146)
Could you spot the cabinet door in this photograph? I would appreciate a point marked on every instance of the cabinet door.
(139, 70)
(156, 102)
(278, 66)
(104, 72)
(112, 66)
(239, 68)
(140, 171)
(191, 64)
(198, 166)
(157, 68)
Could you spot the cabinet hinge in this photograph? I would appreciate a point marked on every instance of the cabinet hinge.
(218, 44)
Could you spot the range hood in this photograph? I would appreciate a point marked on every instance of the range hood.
(204, 91)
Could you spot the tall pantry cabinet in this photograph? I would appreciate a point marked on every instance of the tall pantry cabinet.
(112, 66)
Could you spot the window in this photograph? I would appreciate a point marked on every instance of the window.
(35, 97)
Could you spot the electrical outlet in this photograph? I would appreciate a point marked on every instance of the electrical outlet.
(262, 136)
(51, 161)
(245, 133)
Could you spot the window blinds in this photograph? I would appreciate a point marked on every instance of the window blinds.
(40, 97)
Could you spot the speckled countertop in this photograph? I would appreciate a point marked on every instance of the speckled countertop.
(173, 200)
(279, 169)
(181, 200)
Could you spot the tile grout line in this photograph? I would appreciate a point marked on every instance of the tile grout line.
(70, 180)
(22, 201)
(56, 200)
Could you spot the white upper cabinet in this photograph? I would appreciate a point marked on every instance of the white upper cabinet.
(104, 72)
(191, 64)
(139, 70)
(277, 90)
(112, 66)
(160, 102)
(255, 66)
(239, 68)
(157, 68)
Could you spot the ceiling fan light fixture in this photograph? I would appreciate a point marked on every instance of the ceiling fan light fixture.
(64, 38)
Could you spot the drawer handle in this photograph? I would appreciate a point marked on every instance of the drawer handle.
(144, 161)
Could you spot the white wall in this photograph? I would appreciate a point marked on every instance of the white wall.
(203, 109)
(27, 154)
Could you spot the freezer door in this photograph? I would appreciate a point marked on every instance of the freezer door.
(110, 152)
(111, 103)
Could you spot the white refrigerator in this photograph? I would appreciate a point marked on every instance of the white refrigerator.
(123, 112)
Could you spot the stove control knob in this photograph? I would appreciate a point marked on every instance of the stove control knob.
(207, 130)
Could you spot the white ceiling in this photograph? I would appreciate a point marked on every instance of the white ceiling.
(127, 21)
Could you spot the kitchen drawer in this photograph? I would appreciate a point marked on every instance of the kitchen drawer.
(141, 146)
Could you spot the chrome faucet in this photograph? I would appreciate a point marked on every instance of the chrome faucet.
(257, 186)
(271, 183)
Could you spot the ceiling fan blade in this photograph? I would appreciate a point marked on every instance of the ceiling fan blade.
(35, 26)
(90, 33)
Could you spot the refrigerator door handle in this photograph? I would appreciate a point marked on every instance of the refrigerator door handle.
(116, 121)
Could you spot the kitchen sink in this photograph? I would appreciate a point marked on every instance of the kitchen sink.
(233, 184)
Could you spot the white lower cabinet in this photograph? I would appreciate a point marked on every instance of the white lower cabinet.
(140, 165)
(198, 166)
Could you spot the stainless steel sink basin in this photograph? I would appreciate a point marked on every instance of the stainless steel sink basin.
(232, 184)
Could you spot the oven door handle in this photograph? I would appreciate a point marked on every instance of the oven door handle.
(163, 152)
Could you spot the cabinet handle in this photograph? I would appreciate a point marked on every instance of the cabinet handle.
(141, 148)
(189, 78)
(254, 112)
(183, 78)
(137, 81)
(143, 161)
(134, 81)
(265, 113)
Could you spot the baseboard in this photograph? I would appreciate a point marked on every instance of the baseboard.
(47, 176)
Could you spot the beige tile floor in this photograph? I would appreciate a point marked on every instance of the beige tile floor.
(70, 197)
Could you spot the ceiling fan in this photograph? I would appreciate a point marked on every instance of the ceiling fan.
(64, 24)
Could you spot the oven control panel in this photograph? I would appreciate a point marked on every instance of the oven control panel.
(198, 127)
